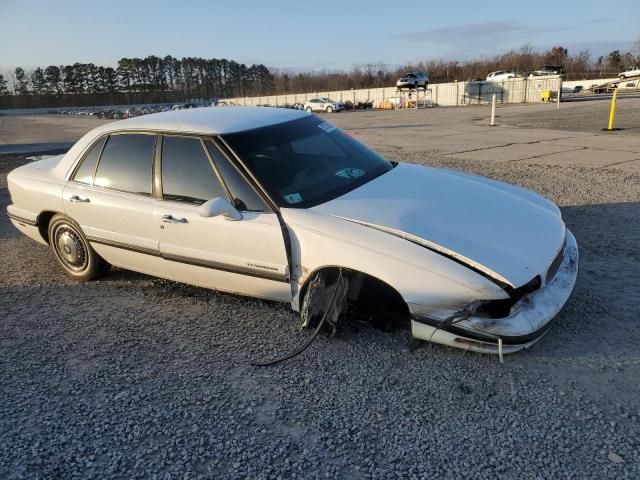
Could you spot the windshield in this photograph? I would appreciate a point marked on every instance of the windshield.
(306, 162)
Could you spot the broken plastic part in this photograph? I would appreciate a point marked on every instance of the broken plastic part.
(319, 299)
(338, 286)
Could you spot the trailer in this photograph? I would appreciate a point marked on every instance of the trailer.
(606, 87)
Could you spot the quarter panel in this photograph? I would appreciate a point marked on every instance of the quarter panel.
(33, 194)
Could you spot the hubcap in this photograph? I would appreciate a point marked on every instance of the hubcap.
(70, 248)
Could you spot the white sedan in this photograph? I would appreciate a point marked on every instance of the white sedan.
(280, 204)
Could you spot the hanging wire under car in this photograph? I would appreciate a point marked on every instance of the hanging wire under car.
(305, 345)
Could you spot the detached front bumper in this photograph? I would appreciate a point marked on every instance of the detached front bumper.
(529, 319)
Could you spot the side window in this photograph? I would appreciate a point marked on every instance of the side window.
(244, 196)
(126, 163)
(187, 173)
(84, 173)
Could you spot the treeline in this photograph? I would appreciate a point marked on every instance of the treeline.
(156, 79)
(576, 66)
(191, 76)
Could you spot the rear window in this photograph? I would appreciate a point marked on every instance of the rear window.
(84, 173)
(126, 164)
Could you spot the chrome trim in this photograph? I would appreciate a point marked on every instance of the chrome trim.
(125, 246)
(225, 267)
(22, 220)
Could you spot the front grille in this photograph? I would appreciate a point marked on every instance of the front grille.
(555, 265)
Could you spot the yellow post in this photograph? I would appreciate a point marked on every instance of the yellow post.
(612, 112)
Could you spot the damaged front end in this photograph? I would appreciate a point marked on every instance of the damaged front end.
(504, 326)
(326, 294)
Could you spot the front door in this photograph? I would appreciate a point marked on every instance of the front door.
(246, 256)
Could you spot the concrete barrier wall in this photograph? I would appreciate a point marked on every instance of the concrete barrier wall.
(519, 90)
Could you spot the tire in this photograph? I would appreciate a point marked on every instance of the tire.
(329, 109)
(72, 250)
(622, 77)
(308, 109)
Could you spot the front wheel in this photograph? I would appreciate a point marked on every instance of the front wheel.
(622, 77)
(329, 109)
(308, 109)
(72, 250)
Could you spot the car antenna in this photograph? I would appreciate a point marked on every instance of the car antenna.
(305, 345)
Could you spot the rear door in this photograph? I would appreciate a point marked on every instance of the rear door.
(110, 195)
(247, 256)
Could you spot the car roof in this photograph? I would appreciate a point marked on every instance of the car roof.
(199, 121)
(207, 120)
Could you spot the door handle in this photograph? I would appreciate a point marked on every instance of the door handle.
(172, 219)
(77, 199)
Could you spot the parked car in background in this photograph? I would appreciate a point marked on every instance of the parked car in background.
(547, 70)
(501, 75)
(323, 104)
(279, 204)
(634, 72)
(182, 106)
(412, 81)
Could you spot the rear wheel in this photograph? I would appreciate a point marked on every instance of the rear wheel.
(73, 251)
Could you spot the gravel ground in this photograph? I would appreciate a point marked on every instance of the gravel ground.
(134, 377)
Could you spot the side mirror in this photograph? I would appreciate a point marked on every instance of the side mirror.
(219, 206)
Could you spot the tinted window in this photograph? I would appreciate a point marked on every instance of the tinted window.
(126, 163)
(306, 162)
(84, 173)
(244, 196)
(187, 174)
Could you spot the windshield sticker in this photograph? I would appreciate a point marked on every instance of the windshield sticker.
(293, 198)
(327, 127)
(350, 172)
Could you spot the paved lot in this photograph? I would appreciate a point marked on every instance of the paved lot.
(40, 133)
(131, 377)
(465, 133)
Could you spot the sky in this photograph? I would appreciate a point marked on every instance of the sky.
(305, 35)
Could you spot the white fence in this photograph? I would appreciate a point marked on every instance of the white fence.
(518, 90)
(588, 83)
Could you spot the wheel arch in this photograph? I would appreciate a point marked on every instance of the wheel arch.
(363, 287)
(43, 220)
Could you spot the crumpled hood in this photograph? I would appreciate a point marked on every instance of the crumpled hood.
(505, 231)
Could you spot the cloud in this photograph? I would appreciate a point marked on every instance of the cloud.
(474, 38)
(471, 32)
